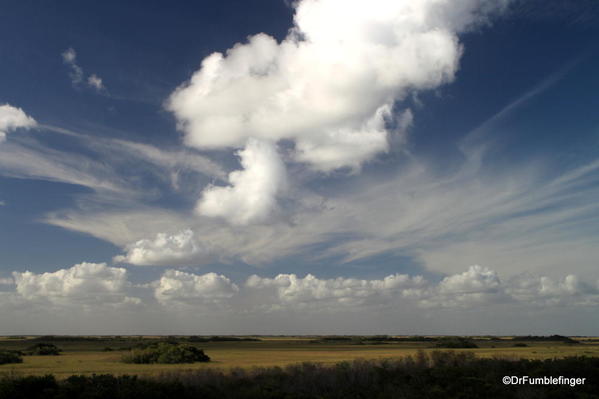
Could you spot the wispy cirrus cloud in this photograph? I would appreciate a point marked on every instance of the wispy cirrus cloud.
(471, 215)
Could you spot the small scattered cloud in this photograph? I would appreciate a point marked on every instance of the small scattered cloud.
(12, 118)
(95, 82)
(69, 58)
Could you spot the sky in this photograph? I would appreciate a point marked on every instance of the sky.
(305, 167)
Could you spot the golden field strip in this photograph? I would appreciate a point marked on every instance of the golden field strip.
(90, 357)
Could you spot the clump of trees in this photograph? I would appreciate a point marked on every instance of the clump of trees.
(455, 343)
(545, 338)
(167, 353)
(43, 349)
(218, 338)
(7, 357)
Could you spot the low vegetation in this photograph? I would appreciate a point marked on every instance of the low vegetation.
(217, 338)
(103, 354)
(439, 374)
(546, 338)
(456, 343)
(43, 349)
(7, 357)
(166, 353)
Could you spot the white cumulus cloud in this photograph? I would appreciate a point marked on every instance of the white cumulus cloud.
(165, 249)
(82, 284)
(476, 286)
(12, 118)
(176, 287)
(251, 197)
(544, 290)
(290, 290)
(330, 85)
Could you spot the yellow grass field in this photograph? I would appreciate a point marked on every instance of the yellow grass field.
(88, 358)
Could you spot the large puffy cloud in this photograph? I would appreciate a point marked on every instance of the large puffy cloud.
(176, 287)
(331, 83)
(251, 197)
(12, 118)
(84, 284)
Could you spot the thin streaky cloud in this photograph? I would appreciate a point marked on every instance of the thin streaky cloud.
(484, 128)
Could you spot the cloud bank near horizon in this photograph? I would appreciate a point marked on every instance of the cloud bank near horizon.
(97, 289)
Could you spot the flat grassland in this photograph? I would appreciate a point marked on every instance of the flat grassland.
(102, 355)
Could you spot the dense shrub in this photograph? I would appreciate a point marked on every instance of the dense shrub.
(10, 357)
(545, 338)
(43, 349)
(65, 338)
(456, 343)
(168, 353)
(217, 338)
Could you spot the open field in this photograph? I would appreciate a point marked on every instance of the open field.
(90, 357)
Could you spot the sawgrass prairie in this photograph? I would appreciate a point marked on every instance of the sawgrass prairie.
(102, 355)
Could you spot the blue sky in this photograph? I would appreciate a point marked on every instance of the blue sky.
(405, 168)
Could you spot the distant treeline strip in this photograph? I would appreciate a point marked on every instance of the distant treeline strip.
(439, 374)
(188, 338)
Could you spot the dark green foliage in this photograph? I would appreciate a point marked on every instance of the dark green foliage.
(217, 338)
(371, 340)
(438, 375)
(30, 387)
(167, 353)
(43, 349)
(65, 338)
(544, 338)
(10, 357)
(336, 339)
(455, 343)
